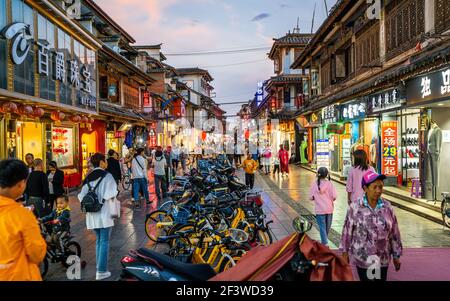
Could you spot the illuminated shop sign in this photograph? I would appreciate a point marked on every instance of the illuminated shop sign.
(432, 86)
(354, 110)
(330, 114)
(386, 100)
(77, 75)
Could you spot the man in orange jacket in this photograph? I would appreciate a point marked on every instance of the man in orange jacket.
(22, 247)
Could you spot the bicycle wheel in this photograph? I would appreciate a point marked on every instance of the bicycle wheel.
(126, 182)
(181, 241)
(166, 206)
(72, 248)
(445, 210)
(263, 237)
(158, 223)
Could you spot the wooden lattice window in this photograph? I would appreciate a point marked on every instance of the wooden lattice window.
(442, 13)
(405, 23)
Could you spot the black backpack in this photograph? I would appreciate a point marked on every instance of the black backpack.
(90, 202)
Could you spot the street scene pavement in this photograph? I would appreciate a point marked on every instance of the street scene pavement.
(426, 243)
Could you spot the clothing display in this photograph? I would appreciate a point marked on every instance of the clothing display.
(434, 150)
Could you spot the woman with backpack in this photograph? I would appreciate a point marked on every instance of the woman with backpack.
(98, 200)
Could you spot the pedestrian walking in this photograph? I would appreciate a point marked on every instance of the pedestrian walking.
(37, 189)
(175, 159)
(276, 165)
(159, 165)
(355, 175)
(266, 158)
(114, 166)
(22, 246)
(55, 178)
(250, 167)
(105, 187)
(283, 155)
(238, 154)
(140, 177)
(183, 157)
(29, 159)
(323, 193)
(168, 157)
(371, 236)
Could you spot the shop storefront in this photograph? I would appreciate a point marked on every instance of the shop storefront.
(91, 140)
(48, 76)
(396, 153)
(430, 93)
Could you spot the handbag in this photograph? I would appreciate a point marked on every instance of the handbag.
(115, 207)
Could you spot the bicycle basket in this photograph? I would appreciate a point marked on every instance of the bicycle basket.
(180, 216)
(252, 199)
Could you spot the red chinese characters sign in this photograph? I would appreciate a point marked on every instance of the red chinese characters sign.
(389, 160)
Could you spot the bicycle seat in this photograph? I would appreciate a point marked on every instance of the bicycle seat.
(195, 272)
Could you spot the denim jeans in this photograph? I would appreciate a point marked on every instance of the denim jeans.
(324, 222)
(102, 248)
(38, 203)
(250, 180)
(160, 184)
(140, 184)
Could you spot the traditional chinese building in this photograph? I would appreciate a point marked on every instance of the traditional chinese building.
(378, 73)
(48, 82)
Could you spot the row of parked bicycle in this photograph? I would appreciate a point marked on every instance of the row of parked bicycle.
(208, 221)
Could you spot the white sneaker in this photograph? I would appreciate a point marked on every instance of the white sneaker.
(101, 276)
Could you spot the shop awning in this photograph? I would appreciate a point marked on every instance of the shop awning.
(118, 111)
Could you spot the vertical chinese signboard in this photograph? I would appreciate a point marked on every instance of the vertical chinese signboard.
(390, 148)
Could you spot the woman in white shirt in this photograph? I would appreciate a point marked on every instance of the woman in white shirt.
(102, 221)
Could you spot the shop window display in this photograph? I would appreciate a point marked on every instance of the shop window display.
(62, 146)
(410, 150)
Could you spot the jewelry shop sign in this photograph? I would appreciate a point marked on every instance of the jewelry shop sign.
(66, 70)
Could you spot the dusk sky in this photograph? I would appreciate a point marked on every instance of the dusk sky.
(186, 26)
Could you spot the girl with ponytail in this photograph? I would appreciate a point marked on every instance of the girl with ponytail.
(323, 193)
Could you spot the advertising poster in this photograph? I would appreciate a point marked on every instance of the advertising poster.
(389, 142)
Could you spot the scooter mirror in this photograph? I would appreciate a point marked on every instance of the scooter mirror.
(302, 224)
(237, 235)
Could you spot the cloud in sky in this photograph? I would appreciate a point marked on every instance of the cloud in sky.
(260, 17)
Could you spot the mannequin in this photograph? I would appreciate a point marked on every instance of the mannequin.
(373, 153)
(359, 144)
(303, 148)
(434, 150)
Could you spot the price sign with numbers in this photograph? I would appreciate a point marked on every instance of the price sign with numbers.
(389, 142)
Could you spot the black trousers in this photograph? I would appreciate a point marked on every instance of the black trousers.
(250, 180)
(362, 273)
(276, 168)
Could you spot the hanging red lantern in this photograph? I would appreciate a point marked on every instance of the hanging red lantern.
(203, 135)
(38, 112)
(247, 134)
(75, 118)
(25, 110)
(84, 119)
(9, 107)
(57, 116)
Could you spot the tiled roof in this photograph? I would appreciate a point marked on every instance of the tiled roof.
(108, 108)
(295, 38)
(186, 71)
(289, 79)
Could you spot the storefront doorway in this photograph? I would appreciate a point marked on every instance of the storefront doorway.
(29, 139)
(88, 148)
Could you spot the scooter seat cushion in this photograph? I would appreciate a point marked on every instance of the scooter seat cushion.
(195, 272)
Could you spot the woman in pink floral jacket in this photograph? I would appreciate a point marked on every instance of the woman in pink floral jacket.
(371, 234)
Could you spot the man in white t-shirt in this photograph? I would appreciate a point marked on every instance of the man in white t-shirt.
(140, 177)
(159, 165)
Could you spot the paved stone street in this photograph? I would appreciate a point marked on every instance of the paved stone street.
(285, 198)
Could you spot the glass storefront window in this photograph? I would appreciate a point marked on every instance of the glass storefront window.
(46, 32)
(65, 90)
(62, 146)
(24, 73)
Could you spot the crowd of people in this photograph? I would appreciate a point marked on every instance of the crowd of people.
(370, 228)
